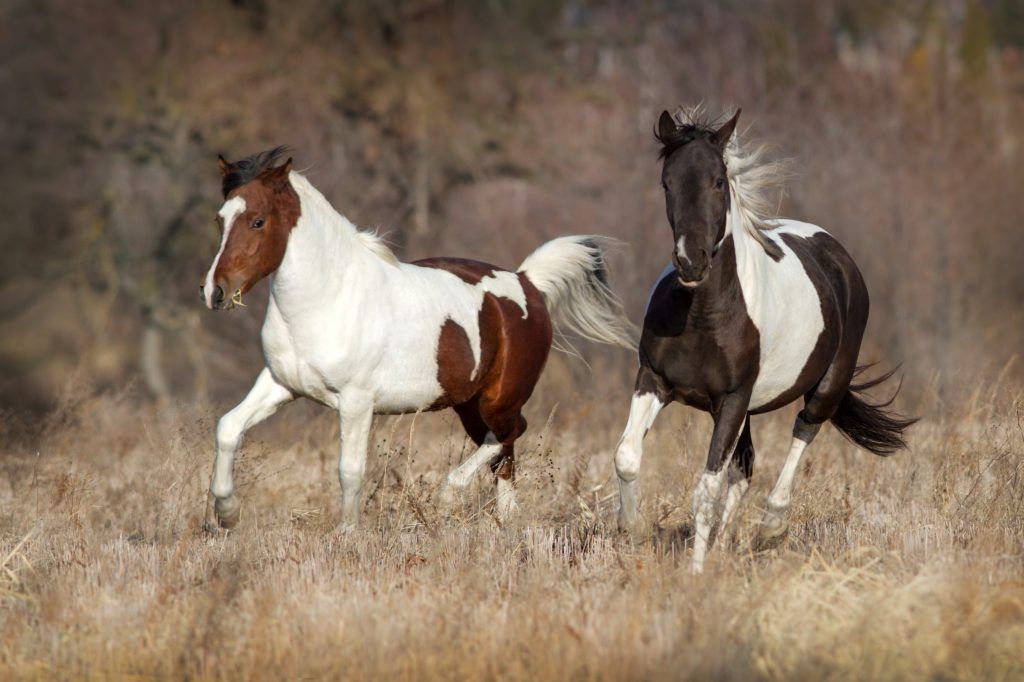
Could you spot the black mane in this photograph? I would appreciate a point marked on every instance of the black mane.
(700, 127)
(247, 169)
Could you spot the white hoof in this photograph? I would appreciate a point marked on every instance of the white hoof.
(772, 530)
(227, 510)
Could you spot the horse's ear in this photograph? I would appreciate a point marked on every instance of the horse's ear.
(225, 165)
(666, 126)
(277, 177)
(720, 137)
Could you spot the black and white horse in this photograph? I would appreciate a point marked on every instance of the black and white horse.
(751, 315)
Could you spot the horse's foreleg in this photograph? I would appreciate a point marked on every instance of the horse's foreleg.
(774, 525)
(643, 410)
(356, 422)
(262, 401)
(730, 421)
(741, 468)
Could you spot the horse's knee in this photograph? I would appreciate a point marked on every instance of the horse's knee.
(627, 462)
(708, 492)
(229, 431)
(351, 474)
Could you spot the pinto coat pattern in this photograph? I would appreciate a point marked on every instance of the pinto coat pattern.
(751, 314)
(353, 328)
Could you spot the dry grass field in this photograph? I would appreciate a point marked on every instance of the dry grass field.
(905, 568)
(482, 129)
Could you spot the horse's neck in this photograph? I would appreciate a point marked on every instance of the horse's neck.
(752, 261)
(325, 260)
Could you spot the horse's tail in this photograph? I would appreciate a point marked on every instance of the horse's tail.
(871, 425)
(570, 272)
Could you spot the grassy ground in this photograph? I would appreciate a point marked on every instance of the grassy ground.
(905, 568)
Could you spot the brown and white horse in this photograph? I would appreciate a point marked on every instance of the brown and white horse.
(351, 327)
(751, 315)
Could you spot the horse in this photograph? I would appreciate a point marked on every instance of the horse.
(350, 326)
(751, 314)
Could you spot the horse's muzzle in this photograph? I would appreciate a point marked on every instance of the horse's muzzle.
(216, 301)
(689, 274)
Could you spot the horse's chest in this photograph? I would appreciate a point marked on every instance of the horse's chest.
(700, 367)
(294, 367)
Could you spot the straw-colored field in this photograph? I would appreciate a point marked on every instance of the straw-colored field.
(909, 568)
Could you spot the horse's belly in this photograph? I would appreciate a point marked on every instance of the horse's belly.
(406, 386)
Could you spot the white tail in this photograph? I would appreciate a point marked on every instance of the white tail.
(570, 272)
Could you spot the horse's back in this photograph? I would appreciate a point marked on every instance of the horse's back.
(827, 264)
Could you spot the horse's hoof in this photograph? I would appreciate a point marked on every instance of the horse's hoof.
(227, 510)
(771, 532)
(633, 528)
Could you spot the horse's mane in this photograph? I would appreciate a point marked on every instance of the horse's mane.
(371, 240)
(377, 245)
(246, 170)
(756, 182)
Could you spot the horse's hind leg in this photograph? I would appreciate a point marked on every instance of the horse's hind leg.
(504, 468)
(495, 432)
(819, 406)
(488, 448)
(506, 425)
(774, 525)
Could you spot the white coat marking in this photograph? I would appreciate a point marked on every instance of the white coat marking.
(643, 410)
(681, 248)
(784, 306)
(350, 326)
(231, 209)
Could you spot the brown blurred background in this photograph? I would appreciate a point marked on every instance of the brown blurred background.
(480, 130)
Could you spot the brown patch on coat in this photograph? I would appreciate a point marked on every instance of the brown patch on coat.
(469, 271)
(513, 352)
(455, 364)
(259, 235)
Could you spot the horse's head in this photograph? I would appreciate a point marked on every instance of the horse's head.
(260, 209)
(696, 192)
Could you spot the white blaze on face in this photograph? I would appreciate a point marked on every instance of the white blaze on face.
(231, 209)
(681, 249)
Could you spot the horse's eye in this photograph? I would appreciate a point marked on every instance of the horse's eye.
(664, 185)
(719, 183)
(257, 224)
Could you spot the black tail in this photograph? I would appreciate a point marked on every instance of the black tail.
(870, 425)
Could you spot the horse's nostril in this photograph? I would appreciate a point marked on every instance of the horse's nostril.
(218, 295)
